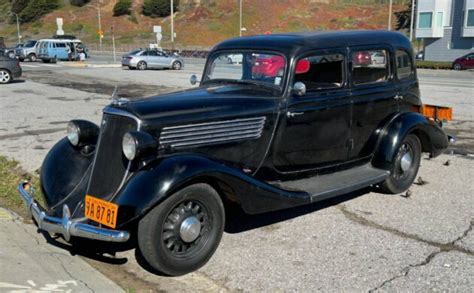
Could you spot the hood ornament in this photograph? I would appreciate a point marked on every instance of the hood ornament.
(118, 101)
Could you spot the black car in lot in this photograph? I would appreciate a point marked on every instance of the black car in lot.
(299, 120)
(9, 69)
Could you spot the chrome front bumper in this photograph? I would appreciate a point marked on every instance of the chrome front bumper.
(66, 226)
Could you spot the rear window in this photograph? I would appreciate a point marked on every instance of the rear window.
(369, 66)
(404, 65)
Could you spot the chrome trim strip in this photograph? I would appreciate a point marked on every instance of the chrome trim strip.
(212, 132)
(66, 226)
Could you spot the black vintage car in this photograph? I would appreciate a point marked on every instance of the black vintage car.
(304, 117)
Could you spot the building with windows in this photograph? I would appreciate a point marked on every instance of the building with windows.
(446, 27)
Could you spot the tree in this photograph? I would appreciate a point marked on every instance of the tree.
(37, 8)
(79, 3)
(19, 5)
(404, 18)
(122, 7)
(158, 8)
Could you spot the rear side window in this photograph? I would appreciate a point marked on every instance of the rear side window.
(320, 72)
(369, 66)
(60, 45)
(404, 65)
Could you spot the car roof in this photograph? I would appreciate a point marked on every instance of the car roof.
(293, 43)
(60, 40)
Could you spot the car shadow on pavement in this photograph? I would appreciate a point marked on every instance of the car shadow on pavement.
(17, 81)
(238, 221)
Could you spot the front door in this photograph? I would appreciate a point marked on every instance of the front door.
(315, 127)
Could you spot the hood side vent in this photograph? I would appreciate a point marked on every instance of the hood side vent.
(210, 133)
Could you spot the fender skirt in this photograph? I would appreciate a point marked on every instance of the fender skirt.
(433, 139)
(150, 186)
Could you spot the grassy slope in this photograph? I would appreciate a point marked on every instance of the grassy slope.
(206, 25)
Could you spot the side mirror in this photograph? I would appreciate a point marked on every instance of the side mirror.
(193, 79)
(299, 89)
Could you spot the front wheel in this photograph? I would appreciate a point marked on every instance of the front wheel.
(5, 76)
(182, 233)
(457, 66)
(32, 57)
(177, 65)
(405, 166)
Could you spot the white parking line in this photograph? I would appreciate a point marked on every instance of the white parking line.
(29, 65)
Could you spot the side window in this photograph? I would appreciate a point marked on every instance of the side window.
(404, 65)
(319, 72)
(369, 66)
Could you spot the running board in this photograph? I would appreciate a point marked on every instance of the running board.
(330, 185)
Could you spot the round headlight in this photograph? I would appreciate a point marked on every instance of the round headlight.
(73, 133)
(129, 146)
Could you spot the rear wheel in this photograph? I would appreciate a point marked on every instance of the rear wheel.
(181, 234)
(177, 65)
(229, 60)
(405, 166)
(141, 65)
(5, 76)
(457, 66)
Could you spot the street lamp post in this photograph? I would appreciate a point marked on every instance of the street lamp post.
(390, 16)
(172, 21)
(240, 18)
(17, 26)
(100, 25)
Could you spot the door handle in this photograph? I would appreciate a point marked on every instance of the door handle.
(293, 114)
(398, 97)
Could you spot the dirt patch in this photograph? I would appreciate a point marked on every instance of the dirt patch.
(92, 85)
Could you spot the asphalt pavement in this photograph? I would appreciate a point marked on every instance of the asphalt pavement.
(364, 241)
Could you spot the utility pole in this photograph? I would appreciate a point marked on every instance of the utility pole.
(17, 26)
(100, 26)
(172, 21)
(412, 22)
(240, 18)
(113, 41)
(390, 16)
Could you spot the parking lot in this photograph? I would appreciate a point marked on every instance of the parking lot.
(363, 241)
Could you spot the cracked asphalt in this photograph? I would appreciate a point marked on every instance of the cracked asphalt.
(363, 241)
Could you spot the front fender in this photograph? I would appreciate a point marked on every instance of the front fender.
(152, 185)
(64, 175)
(433, 139)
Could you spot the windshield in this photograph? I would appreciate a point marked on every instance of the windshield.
(29, 44)
(247, 67)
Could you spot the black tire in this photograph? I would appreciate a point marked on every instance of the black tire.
(46, 60)
(32, 57)
(403, 175)
(229, 61)
(160, 237)
(457, 66)
(141, 65)
(5, 76)
(21, 59)
(131, 68)
(177, 65)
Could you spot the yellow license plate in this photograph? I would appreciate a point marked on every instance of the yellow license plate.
(101, 211)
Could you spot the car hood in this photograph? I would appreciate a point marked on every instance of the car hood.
(203, 104)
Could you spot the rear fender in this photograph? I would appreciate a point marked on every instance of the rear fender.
(152, 185)
(433, 139)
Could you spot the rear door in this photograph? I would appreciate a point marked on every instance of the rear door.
(374, 97)
(315, 128)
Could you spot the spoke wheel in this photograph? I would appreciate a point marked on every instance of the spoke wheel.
(180, 234)
(5, 76)
(405, 166)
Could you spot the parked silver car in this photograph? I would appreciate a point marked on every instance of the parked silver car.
(27, 51)
(152, 58)
(9, 69)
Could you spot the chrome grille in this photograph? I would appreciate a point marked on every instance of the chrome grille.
(209, 133)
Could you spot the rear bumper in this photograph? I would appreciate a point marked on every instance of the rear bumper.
(66, 226)
(17, 73)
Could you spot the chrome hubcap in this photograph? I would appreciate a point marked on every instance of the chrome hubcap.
(405, 162)
(190, 229)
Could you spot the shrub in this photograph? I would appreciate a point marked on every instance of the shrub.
(158, 8)
(122, 7)
(79, 3)
(434, 64)
(37, 8)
